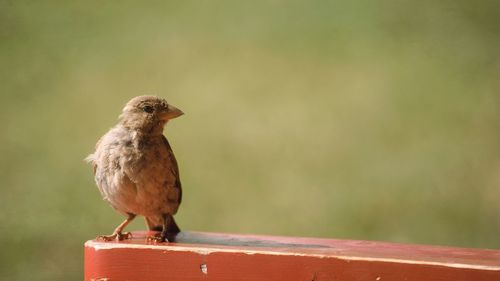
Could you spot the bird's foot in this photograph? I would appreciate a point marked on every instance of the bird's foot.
(115, 236)
(157, 238)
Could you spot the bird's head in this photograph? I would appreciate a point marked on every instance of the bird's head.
(148, 114)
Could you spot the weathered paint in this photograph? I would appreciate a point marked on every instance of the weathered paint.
(211, 256)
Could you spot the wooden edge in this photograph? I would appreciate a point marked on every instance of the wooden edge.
(198, 256)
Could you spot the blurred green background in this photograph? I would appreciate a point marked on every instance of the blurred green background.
(375, 120)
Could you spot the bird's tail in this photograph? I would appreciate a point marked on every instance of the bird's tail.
(172, 227)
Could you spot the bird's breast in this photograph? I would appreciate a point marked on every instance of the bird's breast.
(136, 176)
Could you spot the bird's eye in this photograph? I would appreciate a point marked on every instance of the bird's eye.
(148, 109)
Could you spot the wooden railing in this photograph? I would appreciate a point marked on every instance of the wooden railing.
(214, 256)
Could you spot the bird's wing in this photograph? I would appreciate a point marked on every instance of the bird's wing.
(174, 168)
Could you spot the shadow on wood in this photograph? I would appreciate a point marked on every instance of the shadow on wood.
(214, 256)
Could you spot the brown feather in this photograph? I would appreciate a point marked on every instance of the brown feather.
(134, 166)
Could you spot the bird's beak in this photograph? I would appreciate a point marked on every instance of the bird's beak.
(171, 113)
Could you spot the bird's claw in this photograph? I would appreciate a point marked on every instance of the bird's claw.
(115, 236)
(125, 235)
(157, 238)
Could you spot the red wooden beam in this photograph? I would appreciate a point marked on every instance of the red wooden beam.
(213, 256)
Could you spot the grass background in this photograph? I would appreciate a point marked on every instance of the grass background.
(373, 120)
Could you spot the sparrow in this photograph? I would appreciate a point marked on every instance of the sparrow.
(136, 171)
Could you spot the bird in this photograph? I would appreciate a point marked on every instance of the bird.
(136, 170)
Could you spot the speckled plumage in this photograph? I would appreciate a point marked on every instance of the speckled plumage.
(135, 168)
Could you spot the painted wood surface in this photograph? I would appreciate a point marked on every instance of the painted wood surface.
(214, 256)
